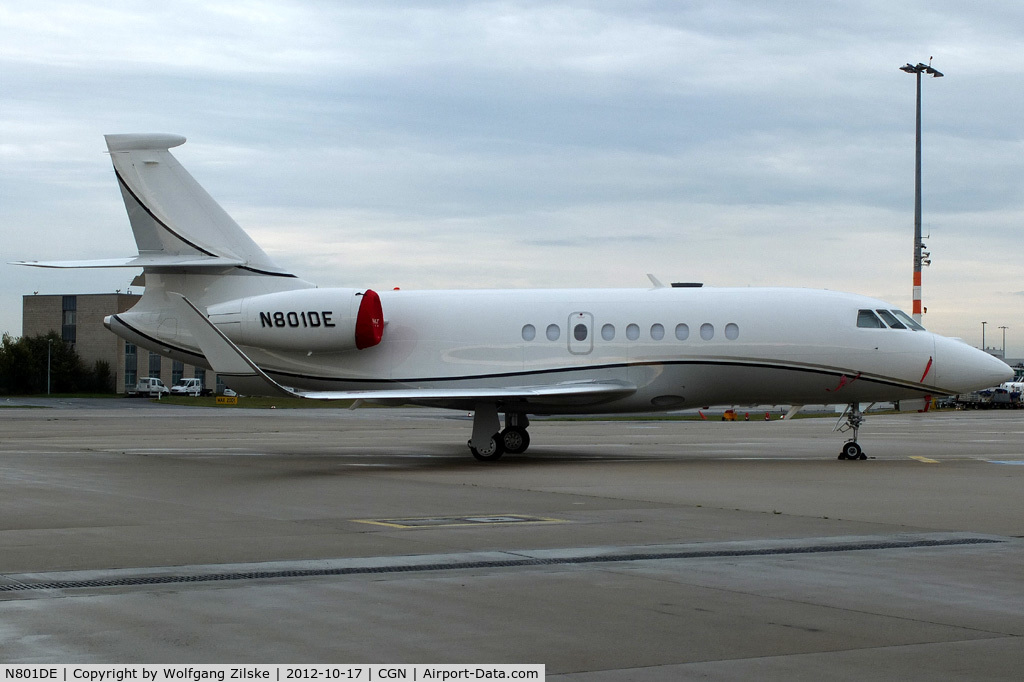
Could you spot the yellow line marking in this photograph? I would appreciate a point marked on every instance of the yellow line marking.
(926, 460)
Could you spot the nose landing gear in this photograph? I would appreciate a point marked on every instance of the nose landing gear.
(854, 419)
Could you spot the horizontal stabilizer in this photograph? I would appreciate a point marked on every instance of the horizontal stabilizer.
(142, 261)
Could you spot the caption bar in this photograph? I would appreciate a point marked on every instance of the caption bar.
(271, 672)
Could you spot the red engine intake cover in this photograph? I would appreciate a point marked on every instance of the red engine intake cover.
(369, 321)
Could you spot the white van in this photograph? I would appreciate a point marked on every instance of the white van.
(150, 386)
(192, 387)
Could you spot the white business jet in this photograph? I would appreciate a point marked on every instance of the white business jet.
(214, 299)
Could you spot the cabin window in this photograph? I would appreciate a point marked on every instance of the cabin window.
(657, 332)
(579, 332)
(553, 332)
(891, 320)
(868, 320)
(907, 320)
(707, 331)
(682, 332)
(608, 332)
(632, 332)
(529, 332)
(732, 331)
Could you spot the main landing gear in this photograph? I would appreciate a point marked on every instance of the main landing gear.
(489, 441)
(854, 419)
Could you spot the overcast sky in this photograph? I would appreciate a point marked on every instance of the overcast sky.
(536, 144)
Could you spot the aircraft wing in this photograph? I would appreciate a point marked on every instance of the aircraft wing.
(564, 393)
(243, 375)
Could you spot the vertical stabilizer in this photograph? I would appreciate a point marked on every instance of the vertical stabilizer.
(170, 213)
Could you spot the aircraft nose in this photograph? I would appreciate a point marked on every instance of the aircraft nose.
(963, 368)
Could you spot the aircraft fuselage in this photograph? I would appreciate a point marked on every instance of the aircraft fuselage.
(680, 347)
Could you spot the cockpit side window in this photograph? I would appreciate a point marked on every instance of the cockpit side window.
(891, 320)
(868, 320)
(908, 320)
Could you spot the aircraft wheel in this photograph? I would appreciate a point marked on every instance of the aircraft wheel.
(490, 452)
(852, 451)
(515, 440)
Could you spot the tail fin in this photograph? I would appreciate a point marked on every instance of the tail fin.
(176, 223)
(173, 218)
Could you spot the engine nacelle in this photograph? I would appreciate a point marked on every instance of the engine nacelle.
(321, 320)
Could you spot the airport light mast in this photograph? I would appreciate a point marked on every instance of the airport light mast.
(918, 246)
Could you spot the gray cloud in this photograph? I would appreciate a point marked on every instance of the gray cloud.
(732, 142)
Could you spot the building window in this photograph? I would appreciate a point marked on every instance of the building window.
(154, 365)
(200, 374)
(177, 371)
(131, 365)
(69, 317)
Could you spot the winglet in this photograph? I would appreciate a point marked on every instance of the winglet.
(226, 359)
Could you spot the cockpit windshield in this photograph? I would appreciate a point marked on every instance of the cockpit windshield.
(908, 320)
(868, 320)
(894, 319)
(891, 320)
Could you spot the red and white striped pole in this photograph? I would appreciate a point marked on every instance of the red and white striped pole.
(918, 309)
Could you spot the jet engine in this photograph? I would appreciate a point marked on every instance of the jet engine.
(321, 320)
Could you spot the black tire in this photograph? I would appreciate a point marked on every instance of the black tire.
(491, 452)
(515, 440)
(852, 451)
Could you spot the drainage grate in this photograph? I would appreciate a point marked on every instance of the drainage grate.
(497, 563)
